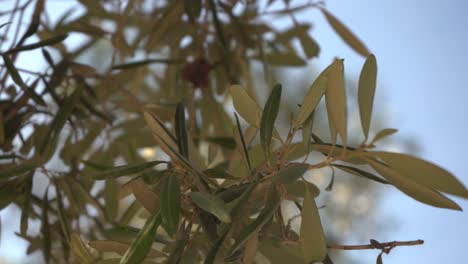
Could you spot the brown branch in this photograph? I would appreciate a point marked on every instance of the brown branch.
(386, 247)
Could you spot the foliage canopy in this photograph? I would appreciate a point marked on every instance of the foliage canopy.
(147, 137)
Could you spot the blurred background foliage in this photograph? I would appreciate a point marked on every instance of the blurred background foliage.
(75, 107)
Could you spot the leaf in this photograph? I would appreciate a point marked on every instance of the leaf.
(287, 59)
(271, 205)
(45, 228)
(212, 205)
(245, 105)
(413, 189)
(136, 64)
(267, 124)
(218, 174)
(64, 223)
(211, 256)
(367, 84)
(119, 248)
(312, 98)
(309, 45)
(360, 173)
(346, 34)
(17, 170)
(35, 20)
(26, 204)
(19, 81)
(423, 172)
(336, 98)
(225, 142)
(141, 246)
(240, 137)
(181, 131)
(314, 245)
(383, 133)
(299, 188)
(193, 8)
(290, 174)
(379, 258)
(42, 43)
(124, 170)
(170, 204)
(79, 249)
(145, 196)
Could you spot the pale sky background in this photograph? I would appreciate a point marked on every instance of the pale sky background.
(421, 47)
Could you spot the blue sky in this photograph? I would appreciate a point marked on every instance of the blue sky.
(421, 52)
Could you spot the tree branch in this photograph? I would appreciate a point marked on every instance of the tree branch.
(386, 247)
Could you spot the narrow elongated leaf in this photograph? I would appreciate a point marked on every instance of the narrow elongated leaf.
(19, 81)
(298, 189)
(64, 224)
(140, 247)
(181, 131)
(288, 59)
(79, 249)
(360, 173)
(211, 256)
(346, 34)
(267, 124)
(170, 204)
(314, 245)
(413, 189)
(423, 172)
(124, 170)
(240, 137)
(136, 64)
(367, 84)
(119, 248)
(383, 133)
(246, 106)
(336, 98)
(26, 205)
(212, 205)
(16, 170)
(309, 45)
(290, 174)
(45, 228)
(272, 204)
(379, 258)
(312, 98)
(40, 44)
(35, 20)
(145, 195)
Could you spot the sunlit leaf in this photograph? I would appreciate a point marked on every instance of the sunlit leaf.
(383, 133)
(412, 188)
(212, 205)
(423, 172)
(246, 106)
(267, 123)
(367, 84)
(336, 98)
(125, 170)
(314, 245)
(346, 34)
(170, 204)
(141, 246)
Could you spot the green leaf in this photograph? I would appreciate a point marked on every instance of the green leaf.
(119, 248)
(267, 124)
(35, 20)
(272, 204)
(212, 205)
(367, 84)
(211, 256)
(79, 249)
(346, 34)
(413, 189)
(336, 98)
(299, 188)
(290, 174)
(181, 131)
(240, 137)
(140, 247)
(124, 170)
(193, 8)
(246, 106)
(360, 173)
(286, 59)
(312, 98)
(19, 81)
(17, 170)
(383, 133)
(42, 43)
(64, 223)
(379, 258)
(136, 64)
(26, 204)
(314, 245)
(170, 204)
(423, 172)
(309, 45)
(45, 228)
